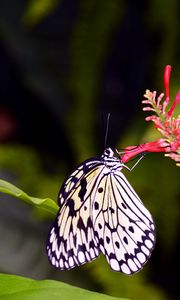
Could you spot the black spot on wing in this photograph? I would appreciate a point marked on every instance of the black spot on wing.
(100, 190)
(96, 205)
(70, 204)
(131, 229)
(124, 206)
(82, 248)
(107, 239)
(111, 210)
(125, 240)
(75, 239)
(81, 225)
(117, 244)
(101, 242)
(99, 225)
(83, 188)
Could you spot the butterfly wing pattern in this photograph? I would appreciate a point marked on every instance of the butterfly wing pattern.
(100, 212)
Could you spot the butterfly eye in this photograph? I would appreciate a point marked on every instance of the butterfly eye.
(108, 152)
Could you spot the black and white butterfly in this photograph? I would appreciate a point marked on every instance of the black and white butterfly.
(101, 212)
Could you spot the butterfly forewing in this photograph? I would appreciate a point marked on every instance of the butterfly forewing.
(101, 212)
(74, 179)
(71, 240)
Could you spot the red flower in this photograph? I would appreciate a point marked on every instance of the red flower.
(164, 122)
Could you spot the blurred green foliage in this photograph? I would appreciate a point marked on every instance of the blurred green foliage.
(37, 10)
(164, 20)
(24, 166)
(90, 44)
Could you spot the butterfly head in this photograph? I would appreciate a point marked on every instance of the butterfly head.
(110, 160)
(108, 152)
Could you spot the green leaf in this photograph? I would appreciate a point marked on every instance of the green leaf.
(46, 203)
(20, 288)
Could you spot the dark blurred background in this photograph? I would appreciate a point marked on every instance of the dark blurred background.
(65, 64)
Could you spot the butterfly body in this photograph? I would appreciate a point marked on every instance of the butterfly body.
(100, 212)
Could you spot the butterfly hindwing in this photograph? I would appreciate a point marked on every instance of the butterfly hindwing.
(123, 225)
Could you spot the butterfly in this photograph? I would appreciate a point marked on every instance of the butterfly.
(100, 212)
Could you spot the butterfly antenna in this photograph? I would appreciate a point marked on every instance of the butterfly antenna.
(141, 156)
(139, 159)
(107, 128)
